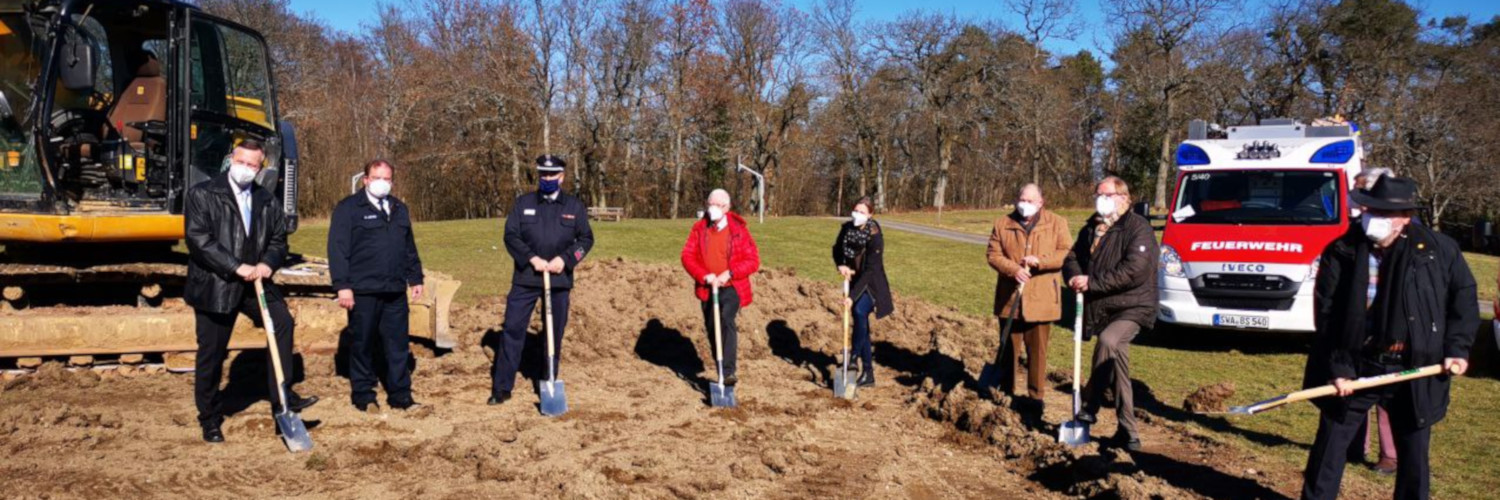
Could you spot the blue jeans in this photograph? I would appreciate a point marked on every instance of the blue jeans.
(862, 348)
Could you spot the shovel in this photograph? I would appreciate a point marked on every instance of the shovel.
(293, 431)
(989, 376)
(719, 395)
(554, 400)
(1329, 390)
(1076, 432)
(843, 385)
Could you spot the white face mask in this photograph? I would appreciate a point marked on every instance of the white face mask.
(241, 175)
(1105, 206)
(715, 213)
(1376, 228)
(859, 218)
(379, 188)
(1027, 209)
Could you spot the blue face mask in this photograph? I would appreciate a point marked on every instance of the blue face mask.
(550, 186)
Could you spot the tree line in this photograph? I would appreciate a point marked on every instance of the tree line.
(654, 102)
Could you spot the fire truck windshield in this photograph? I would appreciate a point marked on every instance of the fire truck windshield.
(1259, 197)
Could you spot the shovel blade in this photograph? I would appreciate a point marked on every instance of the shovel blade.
(1073, 433)
(844, 386)
(554, 398)
(721, 396)
(293, 432)
(989, 376)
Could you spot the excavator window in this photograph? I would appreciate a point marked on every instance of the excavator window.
(231, 94)
(18, 69)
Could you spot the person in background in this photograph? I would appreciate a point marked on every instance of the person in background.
(1360, 448)
(858, 255)
(372, 257)
(720, 253)
(546, 232)
(1390, 296)
(1113, 264)
(1028, 247)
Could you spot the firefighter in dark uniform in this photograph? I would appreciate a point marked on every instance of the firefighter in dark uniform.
(547, 231)
(372, 255)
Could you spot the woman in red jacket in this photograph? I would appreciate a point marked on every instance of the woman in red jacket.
(720, 252)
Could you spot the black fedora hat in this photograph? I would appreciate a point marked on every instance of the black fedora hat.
(1388, 193)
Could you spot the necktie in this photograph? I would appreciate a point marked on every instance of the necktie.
(245, 209)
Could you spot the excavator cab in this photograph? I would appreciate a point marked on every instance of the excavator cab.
(110, 110)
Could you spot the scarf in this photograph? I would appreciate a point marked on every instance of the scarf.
(1388, 316)
(855, 241)
(1103, 227)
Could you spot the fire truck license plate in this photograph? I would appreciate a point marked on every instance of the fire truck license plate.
(1239, 321)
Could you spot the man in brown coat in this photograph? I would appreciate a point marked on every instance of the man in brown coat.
(1028, 247)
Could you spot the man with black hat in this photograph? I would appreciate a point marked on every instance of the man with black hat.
(1390, 296)
(236, 234)
(546, 232)
(372, 255)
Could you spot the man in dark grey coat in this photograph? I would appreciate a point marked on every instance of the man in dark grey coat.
(1113, 263)
(1391, 296)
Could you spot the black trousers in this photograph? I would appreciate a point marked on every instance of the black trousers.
(519, 305)
(379, 320)
(213, 331)
(1337, 429)
(729, 306)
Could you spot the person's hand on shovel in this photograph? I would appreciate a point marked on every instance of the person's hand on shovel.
(538, 264)
(711, 280)
(1023, 275)
(846, 272)
(1456, 366)
(556, 265)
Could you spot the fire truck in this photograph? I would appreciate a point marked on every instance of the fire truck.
(1253, 209)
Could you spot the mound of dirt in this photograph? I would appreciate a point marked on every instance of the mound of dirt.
(636, 360)
(1209, 398)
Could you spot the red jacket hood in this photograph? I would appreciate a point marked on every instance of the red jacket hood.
(1262, 244)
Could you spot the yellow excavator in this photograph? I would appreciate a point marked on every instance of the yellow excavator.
(109, 111)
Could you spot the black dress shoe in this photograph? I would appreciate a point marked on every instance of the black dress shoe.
(213, 435)
(499, 398)
(299, 404)
(1086, 417)
(1124, 440)
(867, 378)
(406, 405)
(731, 380)
(367, 407)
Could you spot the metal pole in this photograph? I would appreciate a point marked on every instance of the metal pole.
(760, 189)
(354, 182)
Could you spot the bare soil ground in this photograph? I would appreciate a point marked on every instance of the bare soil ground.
(636, 363)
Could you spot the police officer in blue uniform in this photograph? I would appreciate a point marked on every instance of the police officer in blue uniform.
(547, 231)
(373, 258)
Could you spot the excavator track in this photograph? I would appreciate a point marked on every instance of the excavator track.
(84, 316)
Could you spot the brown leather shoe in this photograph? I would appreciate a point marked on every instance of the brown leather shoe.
(1385, 467)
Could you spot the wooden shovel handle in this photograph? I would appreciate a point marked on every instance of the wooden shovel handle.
(1356, 384)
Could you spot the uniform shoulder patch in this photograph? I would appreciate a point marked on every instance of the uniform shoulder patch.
(529, 211)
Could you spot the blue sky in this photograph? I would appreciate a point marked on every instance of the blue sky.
(349, 14)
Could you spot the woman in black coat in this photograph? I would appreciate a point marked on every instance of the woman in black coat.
(858, 254)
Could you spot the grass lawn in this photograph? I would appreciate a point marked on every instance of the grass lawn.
(955, 274)
(1485, 267)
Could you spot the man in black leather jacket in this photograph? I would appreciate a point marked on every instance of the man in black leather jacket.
(224, 261)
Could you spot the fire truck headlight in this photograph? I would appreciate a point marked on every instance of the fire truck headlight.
(1171, 263)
